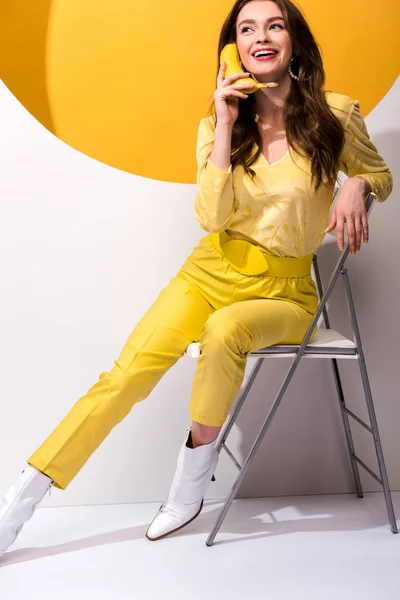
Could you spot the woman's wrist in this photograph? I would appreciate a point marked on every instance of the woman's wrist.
(221, 152)
(223, 129)
(360, 184)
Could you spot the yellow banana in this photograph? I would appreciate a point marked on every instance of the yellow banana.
(230, 55)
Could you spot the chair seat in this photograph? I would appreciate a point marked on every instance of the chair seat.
(326, 342)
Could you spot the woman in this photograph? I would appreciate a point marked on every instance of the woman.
(267, 165)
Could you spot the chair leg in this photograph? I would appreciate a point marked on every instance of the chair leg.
(347, 428)
(275, 405)
(254, 448)
(238, 406)
(370, 406)
(339, 389)
(378, 444)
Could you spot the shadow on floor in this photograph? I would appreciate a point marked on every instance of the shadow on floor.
(249, 519)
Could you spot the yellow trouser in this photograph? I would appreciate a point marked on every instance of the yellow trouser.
(210, 300)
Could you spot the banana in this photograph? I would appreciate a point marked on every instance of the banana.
(230, 55)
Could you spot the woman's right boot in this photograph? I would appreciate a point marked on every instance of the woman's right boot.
(19, 503)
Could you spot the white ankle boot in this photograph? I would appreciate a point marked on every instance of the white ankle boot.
(193, 474)
(19, 503)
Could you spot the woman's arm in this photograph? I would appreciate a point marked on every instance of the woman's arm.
(214, 199)
(360, 158)
(367, 172)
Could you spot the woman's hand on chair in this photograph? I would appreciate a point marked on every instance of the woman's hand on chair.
(350, 208)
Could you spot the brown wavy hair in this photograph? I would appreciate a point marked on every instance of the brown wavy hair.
(311, 127)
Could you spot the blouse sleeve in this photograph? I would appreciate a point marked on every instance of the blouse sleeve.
(362, 157)
(215, 198)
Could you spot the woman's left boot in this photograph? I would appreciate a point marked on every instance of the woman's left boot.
(20, 502)
(194, 471)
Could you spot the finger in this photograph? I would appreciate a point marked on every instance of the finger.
(351, 234)
(221, 72)
(358, 227)
(332, 224)
(234, 77)
(365, 226)
(239, 86)
(236, 87)
(340, 231)
(332, 221)
(227, 94)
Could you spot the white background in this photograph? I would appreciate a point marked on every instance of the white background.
(84, 251)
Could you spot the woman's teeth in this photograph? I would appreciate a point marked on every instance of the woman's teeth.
(265, 56)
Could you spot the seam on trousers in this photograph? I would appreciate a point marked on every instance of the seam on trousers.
(226, 412)
(295, 312)
(242, 357)
(187, 291)
(83, 421)
(292, 304)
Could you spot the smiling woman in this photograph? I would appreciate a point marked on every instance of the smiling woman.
(296, 116)
(266, 164)
(92, 72)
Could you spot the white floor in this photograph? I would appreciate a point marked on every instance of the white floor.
(294, 548)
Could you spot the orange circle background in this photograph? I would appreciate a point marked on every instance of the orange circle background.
(127, 82)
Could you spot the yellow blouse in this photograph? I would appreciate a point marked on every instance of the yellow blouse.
(279, 211)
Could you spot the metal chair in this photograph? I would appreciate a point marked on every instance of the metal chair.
(327, 343)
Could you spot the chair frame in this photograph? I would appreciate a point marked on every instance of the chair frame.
(298, 352)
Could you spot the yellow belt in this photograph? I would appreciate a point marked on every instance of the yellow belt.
(248, 259)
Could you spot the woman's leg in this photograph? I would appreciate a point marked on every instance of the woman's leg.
(228, 336)
(258, 321)
(159, 339)
(157, 342)
(203, 434)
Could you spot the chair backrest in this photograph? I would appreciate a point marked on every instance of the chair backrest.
(339, 265)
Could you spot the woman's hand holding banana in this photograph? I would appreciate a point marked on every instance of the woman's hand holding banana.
(226, 96)
(230, 82)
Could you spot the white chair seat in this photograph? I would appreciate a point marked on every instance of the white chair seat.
(326, 342)
(330, 338)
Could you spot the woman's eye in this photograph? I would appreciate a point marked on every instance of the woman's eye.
(274, 25)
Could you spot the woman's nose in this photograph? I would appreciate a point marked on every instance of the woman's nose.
(264, 36)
